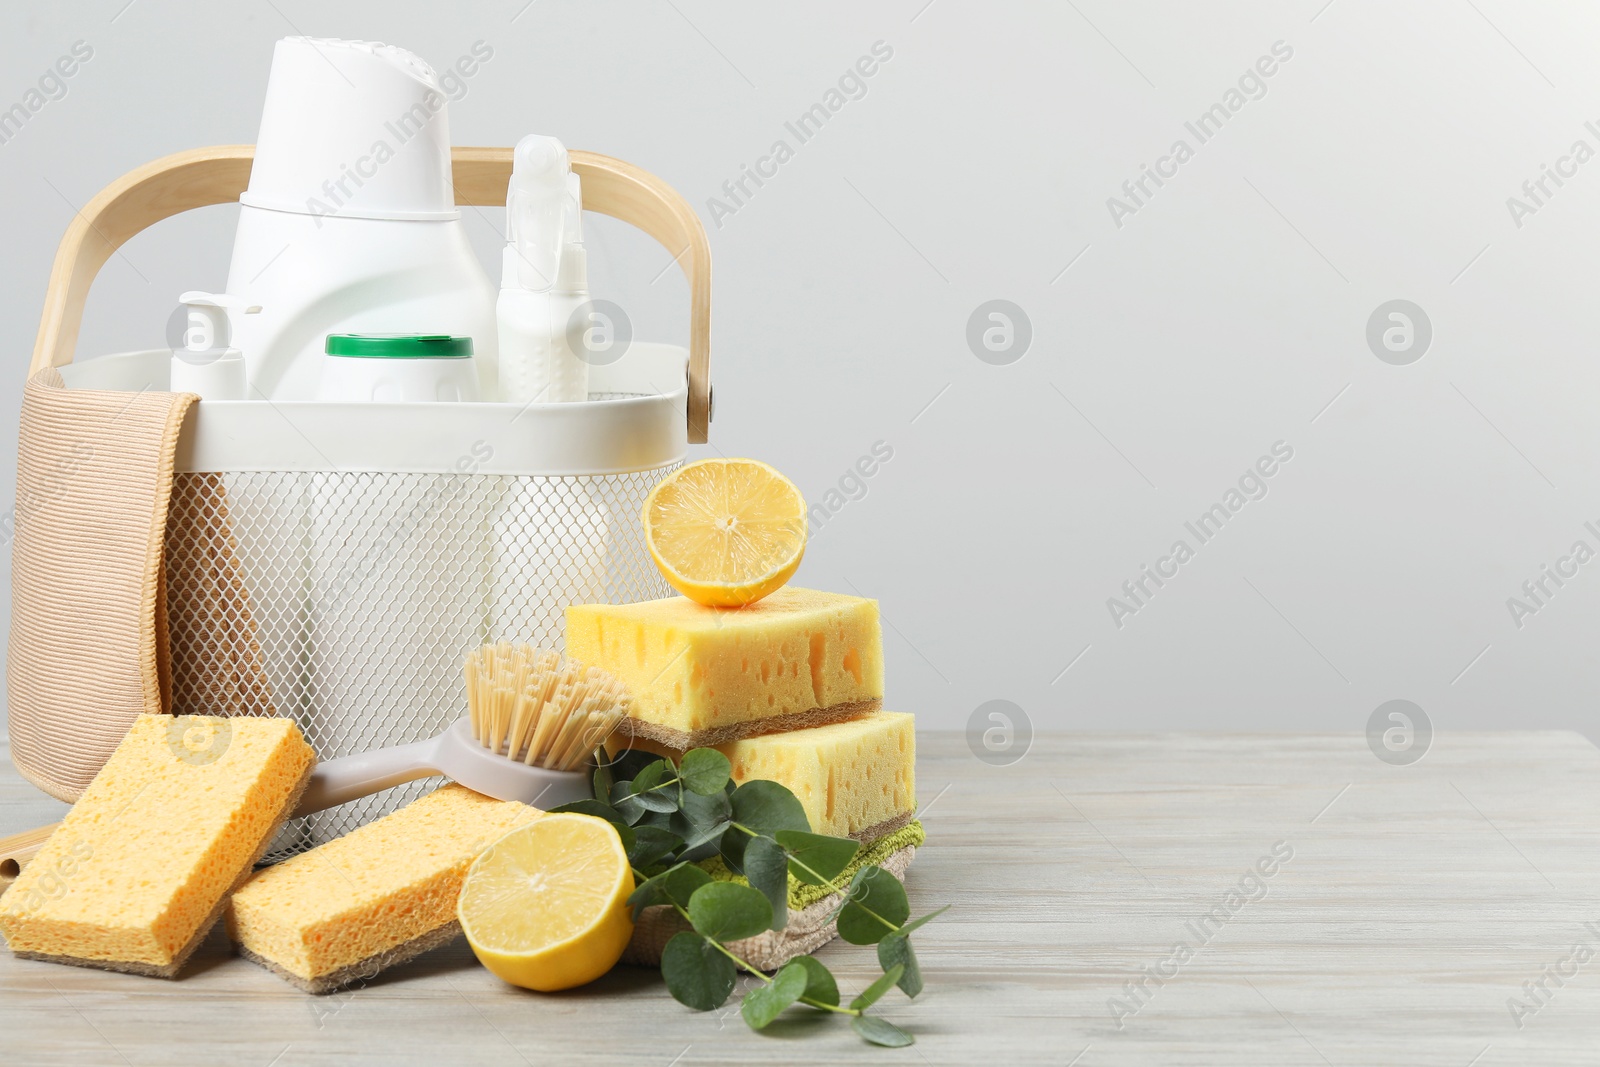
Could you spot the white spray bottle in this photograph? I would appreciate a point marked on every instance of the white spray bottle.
(544, 278)
(552, 535)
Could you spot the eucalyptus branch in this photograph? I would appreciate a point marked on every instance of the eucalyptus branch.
(758, 972)
(830, 883)
(657, 786)
(692, 810)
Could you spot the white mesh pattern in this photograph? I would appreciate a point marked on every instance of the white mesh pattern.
(348, 601)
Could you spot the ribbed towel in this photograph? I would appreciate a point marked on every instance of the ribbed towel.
(94, 476)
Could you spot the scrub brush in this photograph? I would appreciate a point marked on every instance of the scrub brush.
(534, 720)
(534, 707)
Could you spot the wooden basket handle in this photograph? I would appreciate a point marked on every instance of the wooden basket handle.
(205, 176)
(18, 849)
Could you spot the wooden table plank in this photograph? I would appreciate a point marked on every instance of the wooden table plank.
(1416, 902)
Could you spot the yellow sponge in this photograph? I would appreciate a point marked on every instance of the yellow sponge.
(141, 866)
(374, 898)
(855, 779)
(703, 676)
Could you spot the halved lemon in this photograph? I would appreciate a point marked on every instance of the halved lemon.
(545, 907)
(726, 532)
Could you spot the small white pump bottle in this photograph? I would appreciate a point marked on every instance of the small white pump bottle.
(544, 278)
(207, 364)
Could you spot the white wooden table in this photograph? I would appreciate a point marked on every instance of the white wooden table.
(1417, 901)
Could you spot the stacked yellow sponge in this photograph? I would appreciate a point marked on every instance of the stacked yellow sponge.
(701, 675)
(140, 868)
(855, 779)
(788, 688)
(371, 899)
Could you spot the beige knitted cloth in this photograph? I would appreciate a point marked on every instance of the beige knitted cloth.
(94, 474)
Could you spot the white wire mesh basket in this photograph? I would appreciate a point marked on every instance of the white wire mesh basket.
(336, 562)
(302, 583)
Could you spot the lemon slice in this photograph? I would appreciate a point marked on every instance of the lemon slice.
(545, 907)
(726, 532)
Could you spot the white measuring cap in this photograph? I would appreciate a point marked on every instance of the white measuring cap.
(356, 129)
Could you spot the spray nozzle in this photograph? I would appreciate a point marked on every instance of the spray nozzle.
(573, 274)
(542, 210)
(208, 328)
(572, 219)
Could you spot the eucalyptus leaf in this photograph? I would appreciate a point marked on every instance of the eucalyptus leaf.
(672, 886)
(767, 868)
(915, 923)
(766, 1003)
(592, 807)
(767, 807)
(627, 764)
(682, 882)
(699, 852)
(645, 894)
(651, 845)
(697, 974)
(702, 812)
(705, 771)
(652, 776)
(699, 820)
(622, 800)
(820, 985)
(705, 835)
(816, 859)
(667, 820)
(895, 950)
(603, 781)
(874, 992)
(729, 911)
(663, 800)
(731, 846)
(881, 1031)
(874, 908)
(717, 806)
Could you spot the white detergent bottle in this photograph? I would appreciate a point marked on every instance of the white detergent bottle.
(350, 224)
(544, 278)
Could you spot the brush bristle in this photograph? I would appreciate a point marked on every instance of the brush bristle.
(532, 706)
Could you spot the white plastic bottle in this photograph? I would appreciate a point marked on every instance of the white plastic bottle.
(350, 223)
(398, 368)
(544, 278)
(208, 364)
(551, 535)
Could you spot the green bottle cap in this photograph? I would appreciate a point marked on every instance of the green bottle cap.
(399, 346)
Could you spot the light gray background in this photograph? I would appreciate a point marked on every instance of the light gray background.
(1168, 354)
